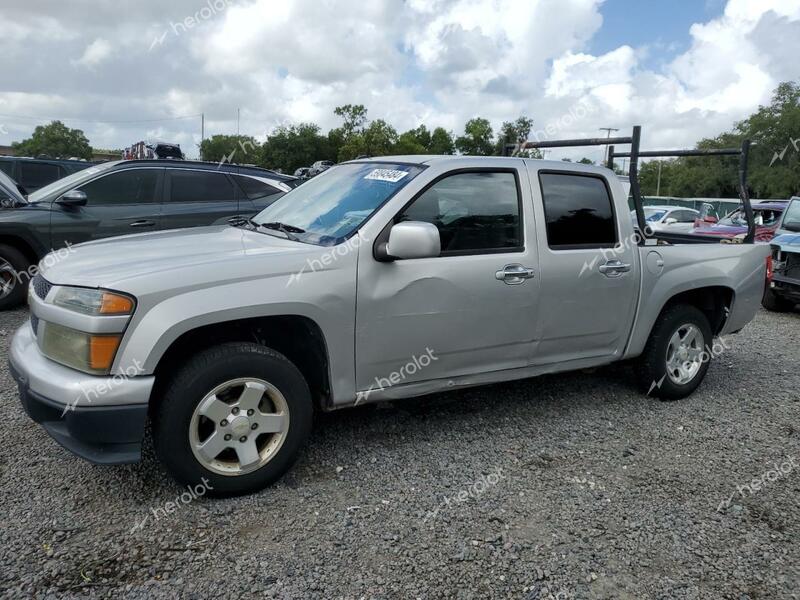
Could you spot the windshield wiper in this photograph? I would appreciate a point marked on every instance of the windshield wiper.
(288, 230)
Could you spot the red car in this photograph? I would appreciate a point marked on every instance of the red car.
(767, 215)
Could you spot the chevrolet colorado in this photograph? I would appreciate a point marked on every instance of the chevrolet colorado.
(493, 269)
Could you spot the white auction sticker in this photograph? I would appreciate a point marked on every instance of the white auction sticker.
(390, 175)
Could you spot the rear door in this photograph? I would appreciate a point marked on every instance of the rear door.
(589, 275)
(122, 202)
(195, 198)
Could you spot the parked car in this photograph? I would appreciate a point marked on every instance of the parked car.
(319, 167)
(121, 197)
(767, 215)
(669, 218)
(302, 172)
(783, 291)
(35, 173)
(379, 279)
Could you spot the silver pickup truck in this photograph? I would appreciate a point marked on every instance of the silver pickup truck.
(379, 279)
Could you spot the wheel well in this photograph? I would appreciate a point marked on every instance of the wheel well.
(713, 301)
(21, 245)
(298, 338)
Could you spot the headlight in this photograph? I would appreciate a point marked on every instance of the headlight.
(93, 302)
(87, 352)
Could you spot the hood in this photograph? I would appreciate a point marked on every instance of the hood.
(789, 242)
(171, 258)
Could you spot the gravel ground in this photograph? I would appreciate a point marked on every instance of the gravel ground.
(571, 486)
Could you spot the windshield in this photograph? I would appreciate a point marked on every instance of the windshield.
(69, 182)
(333, 205)
(762, 217)
(792, 218)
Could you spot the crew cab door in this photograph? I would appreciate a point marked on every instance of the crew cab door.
(121, 202)
(473, 308)
(588, 263)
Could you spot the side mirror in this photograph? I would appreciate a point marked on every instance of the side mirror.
(72, 198)
(670, 221)
(413, 239)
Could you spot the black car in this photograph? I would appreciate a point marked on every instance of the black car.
(35, 173)
(122, 197)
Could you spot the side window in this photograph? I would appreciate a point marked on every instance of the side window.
(578, 211)
(34, 175)
(255, 188)
(200, 186)
(7, 167)
(131, 186)
(474, 212)
(684, 216)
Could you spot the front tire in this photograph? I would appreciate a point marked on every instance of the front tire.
(233, 419)
(13, 277)
(775, 303)
(677, 355)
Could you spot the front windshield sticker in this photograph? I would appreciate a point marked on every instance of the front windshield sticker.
(390, 175)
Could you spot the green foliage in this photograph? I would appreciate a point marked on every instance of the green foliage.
(355, 117)
(294, 146)
(55, 140)
(414, 141)
(477, 138)
(442, 142)
(236, 149)
(585, 161)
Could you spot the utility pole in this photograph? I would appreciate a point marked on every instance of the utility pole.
(608, 131)
(658, 185)
(202, 132)
(237, 121)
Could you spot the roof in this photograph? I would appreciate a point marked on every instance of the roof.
(207, 166)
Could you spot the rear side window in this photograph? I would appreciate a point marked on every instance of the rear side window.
(131, 186)
(34, 175)
(684, 216)
(474, 212)
(7, 167)
(578, 211)
(200, 186)
(255, 188)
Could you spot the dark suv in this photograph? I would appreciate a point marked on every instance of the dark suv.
(35, 173)
(122, 197)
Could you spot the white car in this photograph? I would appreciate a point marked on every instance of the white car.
(674, 219)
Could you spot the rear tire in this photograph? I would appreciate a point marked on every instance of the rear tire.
(14, 277)
(251, 400)
(677, 355)
(775, 303)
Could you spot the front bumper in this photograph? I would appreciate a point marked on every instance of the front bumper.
(787, 287)
(100, 419)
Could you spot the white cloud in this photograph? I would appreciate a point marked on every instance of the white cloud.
(409, 61)
(97, 52)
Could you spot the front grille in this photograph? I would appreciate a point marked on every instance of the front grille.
(41, 286)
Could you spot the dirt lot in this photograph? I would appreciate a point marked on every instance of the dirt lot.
(561, 487)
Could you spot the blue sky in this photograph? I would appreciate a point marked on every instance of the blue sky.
(661, 25)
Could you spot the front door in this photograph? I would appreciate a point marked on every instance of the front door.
(470, 310)
(589, 274)
(125, 201)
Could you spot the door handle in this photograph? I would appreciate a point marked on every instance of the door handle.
(143, 223)
(614, 268)
(514, 274)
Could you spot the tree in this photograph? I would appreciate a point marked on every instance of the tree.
(55, 140)
(586, 161)
(477, 138)
(414, 141)
(290, 147)
(236, 149)
(441, 142)
(513, 132)
(355, 117)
